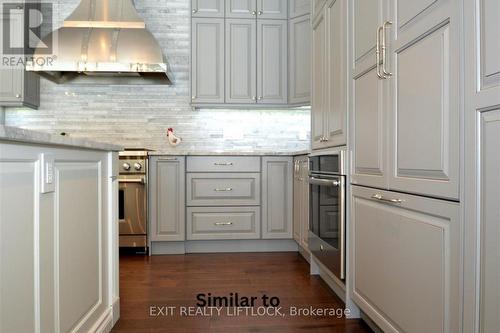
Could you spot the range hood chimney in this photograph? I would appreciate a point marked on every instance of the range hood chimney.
(102, 42)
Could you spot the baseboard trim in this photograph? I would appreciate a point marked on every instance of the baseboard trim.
(104, 324)
(305, 254)
(331, 280)
(222, 246)
(116, 310)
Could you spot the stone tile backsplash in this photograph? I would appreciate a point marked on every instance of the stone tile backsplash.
(138, 116)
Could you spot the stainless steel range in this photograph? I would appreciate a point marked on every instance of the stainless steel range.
(133, 199)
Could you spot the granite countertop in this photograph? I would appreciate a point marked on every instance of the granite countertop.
(228, 153)
(15, 134)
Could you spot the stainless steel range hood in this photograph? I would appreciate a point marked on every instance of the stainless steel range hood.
(102, 42)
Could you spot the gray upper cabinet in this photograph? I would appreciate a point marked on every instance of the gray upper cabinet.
(368, 122)
(241, 8)
(167, 198)
(17, 87)
(207, 60)
(272, 9)
(207, 8)
(277, 197)
(272, 61)
(241, 62)
(299, 60)
(425, 98)
(318, 98)
(298, 8)
(329, 114)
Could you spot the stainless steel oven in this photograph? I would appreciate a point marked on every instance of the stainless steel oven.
(327, 220)
(132, 200)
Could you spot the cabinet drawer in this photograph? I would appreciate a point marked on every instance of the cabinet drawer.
(223, 164)
(223, 189)
(205, 223)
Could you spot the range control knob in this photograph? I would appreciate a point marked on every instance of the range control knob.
(137, 166)
(126, 166)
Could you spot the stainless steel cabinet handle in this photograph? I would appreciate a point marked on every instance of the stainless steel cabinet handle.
(377, 52)
(384, 47)
(324, 182)
(113, 178)
(223, 223)
(227, 189)
(321, 247)
(223, 163)
(167, 159)
(194, 11)
(380, 197)
(130, 180)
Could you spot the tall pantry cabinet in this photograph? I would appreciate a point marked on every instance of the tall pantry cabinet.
(405, 106)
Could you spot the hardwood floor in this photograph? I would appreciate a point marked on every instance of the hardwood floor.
(176, 280)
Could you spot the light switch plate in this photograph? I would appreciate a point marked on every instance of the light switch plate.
(47, 173)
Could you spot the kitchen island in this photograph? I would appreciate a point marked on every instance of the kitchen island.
(58, 233)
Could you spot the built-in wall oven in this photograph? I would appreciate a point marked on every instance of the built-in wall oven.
(327, 200)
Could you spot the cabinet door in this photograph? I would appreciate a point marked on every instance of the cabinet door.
(277, 197)
(167, 198)
(11, 77)
(299, 61)
(207, 8)
(272, 55)
(241, 62)
(318, 101)
(336, 111)
(489, 233)
(297, 197)
(207, 73)
(368, 118)
(298, 8)
(241, 8)
(405, 251)
(272, 9)
(425, 94)
(304, 202)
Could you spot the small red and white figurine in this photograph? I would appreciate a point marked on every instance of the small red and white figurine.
(172, 139)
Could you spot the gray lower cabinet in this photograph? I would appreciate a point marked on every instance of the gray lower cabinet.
(299, 60)
(301, 201)
(207, 60)
(207, 8)
(277, 197)
(167, 198)
(272, 9)
(241, 9)
(210, 223)
(17, 87)
(405, 260)
(272, 65)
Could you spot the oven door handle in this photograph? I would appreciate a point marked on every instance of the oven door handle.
(133, 180)
(325, 182)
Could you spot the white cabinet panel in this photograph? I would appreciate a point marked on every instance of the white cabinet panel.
(241, 8)
(424, 116)
(167, 198)
(298, 8)
(18, 202)
(366, 19)
(272, 54)
(241, 46)
(489, 223)
(277, 197)
(299, 61)
(406, 251)
(336, 111)
(272, 9)
(207, 81)
(410, 9)
(489, 42)
(207, 8)
(319, 64)
(368, 130)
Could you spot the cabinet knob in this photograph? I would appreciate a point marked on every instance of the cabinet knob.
(194, 11)
(254, 98)
(261, 12)
(193, 97)
(260, 98)
(18, 95)
(253, 12)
